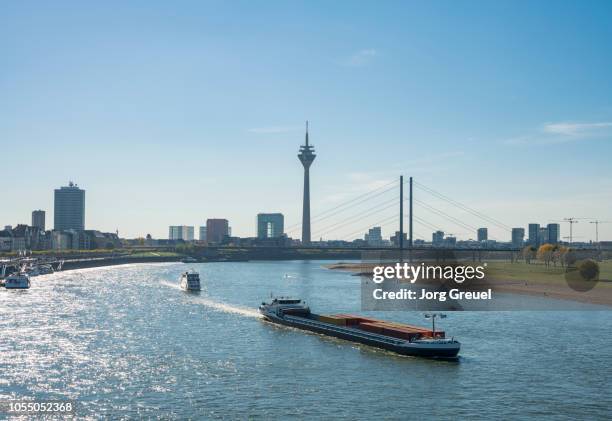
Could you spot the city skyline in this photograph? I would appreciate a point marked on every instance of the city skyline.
(69, 201)
(162, 120)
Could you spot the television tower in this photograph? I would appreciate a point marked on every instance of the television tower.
(306, 157)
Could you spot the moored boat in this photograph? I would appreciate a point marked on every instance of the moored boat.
(19, 280)
(396, 337)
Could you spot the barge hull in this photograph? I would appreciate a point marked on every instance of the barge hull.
(395, 345)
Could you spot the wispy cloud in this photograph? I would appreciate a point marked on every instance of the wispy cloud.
(577, 129)
(562, 132)
(361, 58)
(273, 129)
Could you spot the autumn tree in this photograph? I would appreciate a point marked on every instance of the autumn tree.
(545, 253)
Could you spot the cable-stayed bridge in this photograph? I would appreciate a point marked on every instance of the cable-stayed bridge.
(423, 210)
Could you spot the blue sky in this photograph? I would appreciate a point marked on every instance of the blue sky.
(169, 113)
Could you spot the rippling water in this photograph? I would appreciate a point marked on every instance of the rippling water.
(127, 342)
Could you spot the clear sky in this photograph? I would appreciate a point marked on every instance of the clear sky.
(169, 113)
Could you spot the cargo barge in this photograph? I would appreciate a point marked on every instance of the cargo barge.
(396, 337)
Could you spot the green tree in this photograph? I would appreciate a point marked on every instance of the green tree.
(589, 270)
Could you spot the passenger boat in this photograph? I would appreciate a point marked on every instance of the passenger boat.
(17, 281)
(190, 281)
(399, 338)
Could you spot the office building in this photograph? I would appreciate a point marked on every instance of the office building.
(553, 233)
(374, 236)
(202, 233)
(483, 234)
(270, 225)
(180, 232)
(395, 239)
(534, 235)
(518, 237)
(38, 219)
(216, 230)
(69, 208)
(543, 236)
(306, 157)
(450, 241)
(437, 238)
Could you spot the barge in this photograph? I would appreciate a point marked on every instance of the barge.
(395, 337)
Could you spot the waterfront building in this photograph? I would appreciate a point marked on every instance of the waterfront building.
(69, 208)
(437, 238)
(553, 231)
(395, 239)
(6, 240)
(38, 219)
(482, 234)
(202, 235)
(22, 237)
(374, 237)
(180, 232)
(534, 235)
(61, 240)
(306, 157)
(270, 225)
(518, 237)
(450, 241)
(216, 230)
(92, 239)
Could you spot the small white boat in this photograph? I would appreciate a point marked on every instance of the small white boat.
(190, 281)
(17, 281)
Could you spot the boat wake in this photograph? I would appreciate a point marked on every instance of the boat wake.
(218, 305)
(227, 308)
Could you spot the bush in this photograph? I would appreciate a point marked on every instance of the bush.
(589, 270)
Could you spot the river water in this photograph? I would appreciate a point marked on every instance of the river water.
(126, 342)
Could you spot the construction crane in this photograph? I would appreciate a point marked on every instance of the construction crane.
(571, 222)
(597, 222)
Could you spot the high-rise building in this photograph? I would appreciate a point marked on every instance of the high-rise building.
(306, 156)
(534, 235)
(553, 233)
(437, 238)
(395, 239)
(374, 236)
(518, 237)
(69, 208)
(270, 225)
(543, 236)
(180, 232)
(38, 219)
(216, 230)
(483, 234)
(203, 233)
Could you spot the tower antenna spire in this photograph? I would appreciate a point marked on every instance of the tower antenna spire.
(306, 132)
